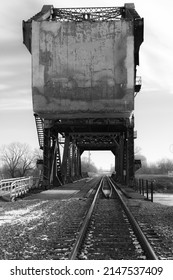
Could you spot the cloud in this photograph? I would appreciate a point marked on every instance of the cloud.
(156, 61)
(15, 74)
(14, 103)
(4, 87)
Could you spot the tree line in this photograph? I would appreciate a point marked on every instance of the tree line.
(161, 166)
(19, 160)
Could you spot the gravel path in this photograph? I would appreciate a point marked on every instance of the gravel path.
(31, 229)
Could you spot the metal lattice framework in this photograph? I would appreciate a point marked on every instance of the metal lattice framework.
(91, 14)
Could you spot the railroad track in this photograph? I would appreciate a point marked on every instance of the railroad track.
(109, 230)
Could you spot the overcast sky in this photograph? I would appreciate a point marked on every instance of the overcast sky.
(153, 104)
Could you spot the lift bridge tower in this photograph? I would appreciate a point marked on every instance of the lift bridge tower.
(84, 64)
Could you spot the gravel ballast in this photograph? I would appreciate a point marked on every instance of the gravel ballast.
(31, 229)
(45, 229)
(158, 219)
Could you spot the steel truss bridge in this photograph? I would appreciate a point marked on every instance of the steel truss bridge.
(92, 132)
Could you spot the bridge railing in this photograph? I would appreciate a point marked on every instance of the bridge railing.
(5, 185)
(17, 187)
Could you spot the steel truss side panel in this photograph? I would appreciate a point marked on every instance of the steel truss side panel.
(47, 157)
(66, 158)
(55, 176)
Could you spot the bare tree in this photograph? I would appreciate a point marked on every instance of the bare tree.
(88, 166)
(165, 165)
(138, 155)
(17, 158)
(38, 154)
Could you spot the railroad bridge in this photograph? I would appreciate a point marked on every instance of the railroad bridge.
(84, 81)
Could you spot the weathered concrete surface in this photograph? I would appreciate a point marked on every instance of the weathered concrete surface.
(82, 69)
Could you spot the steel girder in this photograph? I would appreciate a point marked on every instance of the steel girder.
(71, 163)
(60, 169)
(56, 171)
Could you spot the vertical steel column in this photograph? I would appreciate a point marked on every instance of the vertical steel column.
(125, 159)
(46, 158)
(79, 170)
(53, 161)
(58, 163)
(130, 148)
(76, 171)
(121, 155)
(76, 163)
(73, 161)
(69, 162)
(56, 179)
(65, 161)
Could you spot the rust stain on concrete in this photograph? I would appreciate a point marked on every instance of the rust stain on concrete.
(83, 66)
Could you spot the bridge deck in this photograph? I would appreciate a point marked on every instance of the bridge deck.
(77, 189)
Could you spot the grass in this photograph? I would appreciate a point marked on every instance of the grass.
(163, 183)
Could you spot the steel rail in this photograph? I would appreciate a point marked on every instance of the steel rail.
(139, 234)
(81, 235)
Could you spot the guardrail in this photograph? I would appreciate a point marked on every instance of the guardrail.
(17, 187)
(144, 187)
(5, 185)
